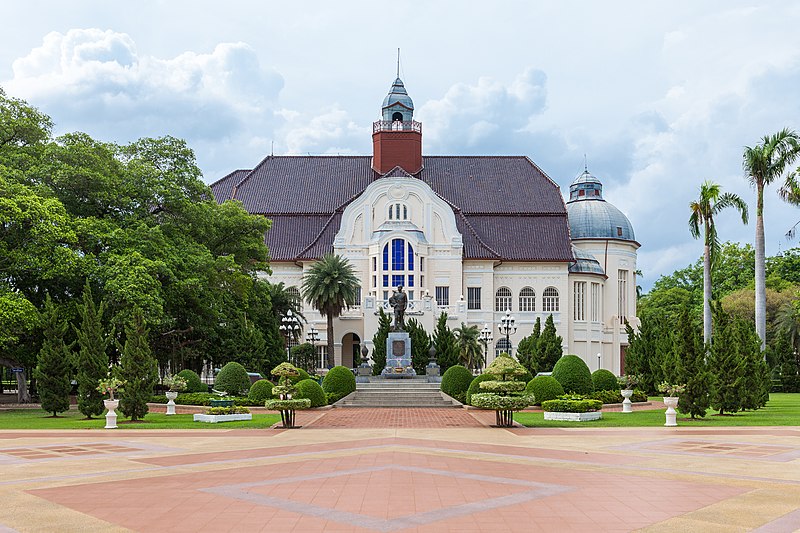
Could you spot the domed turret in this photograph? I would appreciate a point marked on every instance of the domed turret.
(397, 105)
(590, 216)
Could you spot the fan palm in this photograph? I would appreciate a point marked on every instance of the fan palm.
(284, 299)
(763, 164)
(330, 286)
(701, 221)
(468, 346)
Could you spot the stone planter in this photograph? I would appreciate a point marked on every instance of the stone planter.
(171, 395)
(627, 406)
(671, 402)
(111, 415)
(573, 417)
(213, 419)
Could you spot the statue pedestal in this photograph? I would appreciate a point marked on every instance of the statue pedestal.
(398, 356)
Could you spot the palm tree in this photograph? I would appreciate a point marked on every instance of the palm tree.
(763, 164)
(330, 286)
(284, 299)
(710, 203)
(788, 322)
(468, 346)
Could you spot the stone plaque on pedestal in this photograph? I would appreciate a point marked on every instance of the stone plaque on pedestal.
(398, 355)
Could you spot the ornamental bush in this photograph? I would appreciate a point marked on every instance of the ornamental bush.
(456, 381)
(607, 396)
(565, 405)
(573, 374)
(490, 400)
(493, 385)
(603, 379)
(193, 381)
(475, 385)
(311, 390)
(544, 388)
(339, 381)
(301, 375)
(260, 391)
(232, 379)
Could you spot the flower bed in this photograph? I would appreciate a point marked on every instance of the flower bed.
(573, 417)
(214, 415)
(569, 405)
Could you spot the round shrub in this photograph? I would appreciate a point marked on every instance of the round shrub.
(474, 386)
(526, 377)
(260, 391)
(339, 381)
(573, 374)
(232, 379)
(544, 388)
(603, 379)
(193, 381)
(302, 375)
(311, 390)
(455, 382)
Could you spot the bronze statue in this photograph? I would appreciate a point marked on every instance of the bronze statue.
(399, 302)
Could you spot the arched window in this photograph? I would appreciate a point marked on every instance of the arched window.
(550, 300)
(502, 346)
(397, 116)
(527, 299)
(398, 211)
(294, 294)
(502, 299)
(398, 267)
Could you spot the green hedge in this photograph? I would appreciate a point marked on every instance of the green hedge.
(603, 379)
(311, 390)
(204, 398)
(260, 391)
(574, 375)
(544, 388)
(288, 405)
(193, 381)
(475, 384)
(606, 396)
(456, 381)
(572, 406)
(232, 379)
(489, 400)
(501, 386)
(339, 382)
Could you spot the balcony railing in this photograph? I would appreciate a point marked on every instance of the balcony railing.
(396, 125)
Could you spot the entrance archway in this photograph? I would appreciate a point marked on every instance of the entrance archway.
(351, 348)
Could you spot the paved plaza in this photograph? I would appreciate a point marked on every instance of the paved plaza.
(339, 474)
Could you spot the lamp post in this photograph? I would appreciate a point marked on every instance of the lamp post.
(486, 338)
(507, 328)
(290, 326)
(312, 336)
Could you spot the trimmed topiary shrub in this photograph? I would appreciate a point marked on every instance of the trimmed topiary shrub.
(525, 378)
(311, 390)
(232, 379)
(607, 396)
(570, 405)
(574, 375)
(474, 386)
(193, 381)
(603, 379)
(456, 381)
(301, 375)
(260, 391)
(338, 382)
(544, 388)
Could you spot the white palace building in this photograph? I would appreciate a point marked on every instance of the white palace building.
(468, 236)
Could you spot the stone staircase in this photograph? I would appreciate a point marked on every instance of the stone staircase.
(382, 392)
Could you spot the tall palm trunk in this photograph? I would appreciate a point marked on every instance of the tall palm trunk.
(761, 291)
(707, 294)
(330, 359)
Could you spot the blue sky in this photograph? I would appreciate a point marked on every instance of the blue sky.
(659, 95)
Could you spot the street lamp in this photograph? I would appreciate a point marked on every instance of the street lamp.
(290, 326)
(507, 328)
(312, 336)
(486, 338)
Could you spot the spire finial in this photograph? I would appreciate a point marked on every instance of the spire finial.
(398, 62)
(585, 164)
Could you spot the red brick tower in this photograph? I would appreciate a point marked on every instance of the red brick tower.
(396, 138)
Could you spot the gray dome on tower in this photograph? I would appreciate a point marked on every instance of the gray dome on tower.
(398, 105)
(590, 216)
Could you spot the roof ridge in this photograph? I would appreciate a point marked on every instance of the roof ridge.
(319, 235)
(475, 234)
(228, 175)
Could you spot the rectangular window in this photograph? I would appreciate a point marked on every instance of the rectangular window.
(595, 302)
(374, 264)
(422, 263)
(398, 280)
(622, 296)
(473, 298)
(442, 296)
(386, 280)
(422, 281)
(385, 295)
(358, 296)
(579, 301)
(374, 281)
(398, 261)
(410, 257)
(411, 280)
(410, 295)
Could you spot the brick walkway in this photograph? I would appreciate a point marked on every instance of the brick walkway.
(421, 418)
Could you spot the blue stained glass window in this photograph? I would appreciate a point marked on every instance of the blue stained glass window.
(398, 280)
(386, 257)
(411, 280)
(398, 247)
(386, 280)
(410, 257)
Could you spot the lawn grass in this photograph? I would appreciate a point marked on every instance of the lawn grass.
(783, 409)
(38, 419)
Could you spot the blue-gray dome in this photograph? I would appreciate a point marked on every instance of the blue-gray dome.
(590, 216)
(398, 101)
(585, 263)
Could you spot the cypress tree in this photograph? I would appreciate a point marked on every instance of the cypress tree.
(420, 344)
(726, 366)
(379, 342)
(646, 351)
(527, 348)
(548, 348)
(138, 368)
(693, 371)
(52, 371)
(756, 379)
(445, 343)
(92, 360)
(786, 364)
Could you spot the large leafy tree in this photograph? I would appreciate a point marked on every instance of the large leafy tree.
(764, 163)
(701, 222)
(469, 349)
(330, 286)
(53, 369)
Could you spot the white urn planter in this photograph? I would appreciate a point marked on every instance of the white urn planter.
(671, 402)
(111, 415)
(627, 406)
(171, 395)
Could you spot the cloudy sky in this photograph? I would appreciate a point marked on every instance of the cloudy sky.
(659, 95)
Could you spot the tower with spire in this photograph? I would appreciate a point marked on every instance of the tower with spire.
(397, 137)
